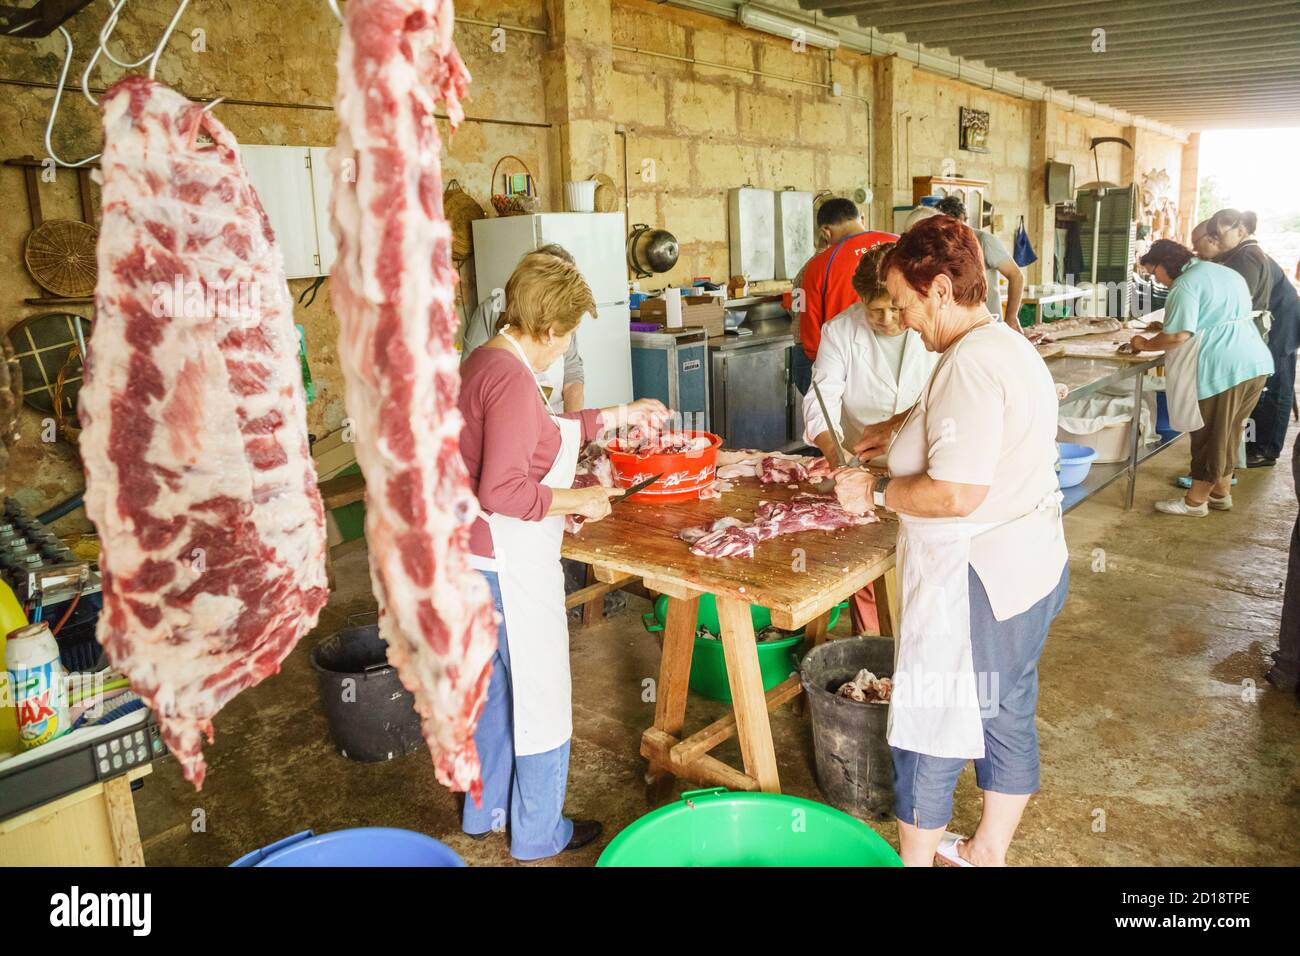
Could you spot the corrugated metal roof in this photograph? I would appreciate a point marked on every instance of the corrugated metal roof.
(1194, 64)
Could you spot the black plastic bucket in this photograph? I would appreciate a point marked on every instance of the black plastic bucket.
(371, 715)
(854, 768)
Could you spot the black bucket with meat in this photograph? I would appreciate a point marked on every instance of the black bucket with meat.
(371, 715)
(854, 768)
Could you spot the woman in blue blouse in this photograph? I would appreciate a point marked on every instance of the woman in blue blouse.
(1216, 362)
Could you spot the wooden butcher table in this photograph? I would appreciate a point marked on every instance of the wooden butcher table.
(799, 577)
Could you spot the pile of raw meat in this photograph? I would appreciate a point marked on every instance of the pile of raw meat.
(394, 292)
(867, 688)
(198, 475)
(732, 538)
(643, 442)
(774, 468)
(1070, 328)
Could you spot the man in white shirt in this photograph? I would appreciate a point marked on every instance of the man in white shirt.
(565, 395)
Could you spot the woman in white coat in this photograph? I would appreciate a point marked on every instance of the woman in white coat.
(869, 370)
(982, 561)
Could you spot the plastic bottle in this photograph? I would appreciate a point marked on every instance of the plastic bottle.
(39, 684)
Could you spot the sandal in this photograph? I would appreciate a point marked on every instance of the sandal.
(946, 854)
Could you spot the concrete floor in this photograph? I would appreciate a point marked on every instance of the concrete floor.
(1161, 742)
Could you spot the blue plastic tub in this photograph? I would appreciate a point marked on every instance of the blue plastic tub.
(1075, 463)
(363, 846)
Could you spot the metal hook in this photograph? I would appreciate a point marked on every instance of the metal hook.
(109, 26)
(167, 35)
(54, 107)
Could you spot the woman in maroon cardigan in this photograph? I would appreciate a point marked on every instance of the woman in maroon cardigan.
(521, 460)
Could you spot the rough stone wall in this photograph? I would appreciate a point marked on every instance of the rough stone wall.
(281, 52)
(935, 137)
(707, 130)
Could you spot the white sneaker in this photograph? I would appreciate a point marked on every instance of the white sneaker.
(1179, 506)
(1220, 504)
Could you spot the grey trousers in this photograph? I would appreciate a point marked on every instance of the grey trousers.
(1285, 672)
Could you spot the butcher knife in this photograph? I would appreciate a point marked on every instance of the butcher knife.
(639, 486)
(835, 439)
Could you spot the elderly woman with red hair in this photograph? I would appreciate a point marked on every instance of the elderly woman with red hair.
(981, 551)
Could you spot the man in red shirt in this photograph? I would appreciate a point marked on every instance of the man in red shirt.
(827, 288)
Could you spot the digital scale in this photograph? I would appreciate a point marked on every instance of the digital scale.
(78, 759)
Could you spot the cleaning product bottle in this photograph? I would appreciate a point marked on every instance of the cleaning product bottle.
(11, 618)
(39, 683)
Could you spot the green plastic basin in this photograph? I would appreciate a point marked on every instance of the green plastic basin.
(723, 828)
(777, 659)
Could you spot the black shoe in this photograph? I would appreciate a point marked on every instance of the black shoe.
(480, 836)
(584, 832)
(1259, 461)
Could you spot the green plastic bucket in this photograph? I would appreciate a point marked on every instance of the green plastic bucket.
(350, 519)
(777, 659)
(723, 828)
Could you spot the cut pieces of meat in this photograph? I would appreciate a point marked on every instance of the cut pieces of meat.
(729, 538)
(198, 475)
(779, 469)
(393, 289)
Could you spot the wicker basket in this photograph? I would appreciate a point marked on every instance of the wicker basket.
(461, 210)
(60, 254)
(516, 204)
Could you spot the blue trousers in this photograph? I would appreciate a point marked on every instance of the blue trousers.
(1007, 652)
(1272, 414)
(526, 792)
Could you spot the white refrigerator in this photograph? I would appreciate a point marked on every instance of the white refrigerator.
(597, 241)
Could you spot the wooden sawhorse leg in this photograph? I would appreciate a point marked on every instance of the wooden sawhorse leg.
(674, 680)
(748, 698)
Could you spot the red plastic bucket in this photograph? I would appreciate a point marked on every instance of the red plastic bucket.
(684, 475)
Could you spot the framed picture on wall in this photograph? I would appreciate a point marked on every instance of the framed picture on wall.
(974, 130)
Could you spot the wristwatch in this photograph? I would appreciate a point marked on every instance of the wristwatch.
(878, 491)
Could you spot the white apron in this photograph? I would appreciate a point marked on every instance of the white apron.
(935, 707)
(532, 602)
(553, 378)
(1180, 386)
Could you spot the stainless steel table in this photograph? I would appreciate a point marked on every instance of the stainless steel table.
(1086, 377)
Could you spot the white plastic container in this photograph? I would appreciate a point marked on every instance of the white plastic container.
(580, 196)
(1105, 424)
(673, 308)
(39, 684)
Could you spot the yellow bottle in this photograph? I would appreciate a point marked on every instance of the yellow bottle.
(11, 618)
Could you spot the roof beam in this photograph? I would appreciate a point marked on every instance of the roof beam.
(899, 17)
(1153, 73)
(1207, 14)
(1111, 58)
(1154, 38)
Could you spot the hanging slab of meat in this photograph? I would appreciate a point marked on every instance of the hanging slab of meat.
(198, 475)
(729, 538)
(393, 289)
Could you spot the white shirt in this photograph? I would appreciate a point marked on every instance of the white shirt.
(988, 417)
(863, 381)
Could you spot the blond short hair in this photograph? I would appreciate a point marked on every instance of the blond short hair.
(546, 294)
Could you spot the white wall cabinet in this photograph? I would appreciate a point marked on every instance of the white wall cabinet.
(293, 183)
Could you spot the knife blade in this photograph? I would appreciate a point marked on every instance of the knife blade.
(639, 486)
(830, 427)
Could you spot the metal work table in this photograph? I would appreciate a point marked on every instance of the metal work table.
(1086, 377)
